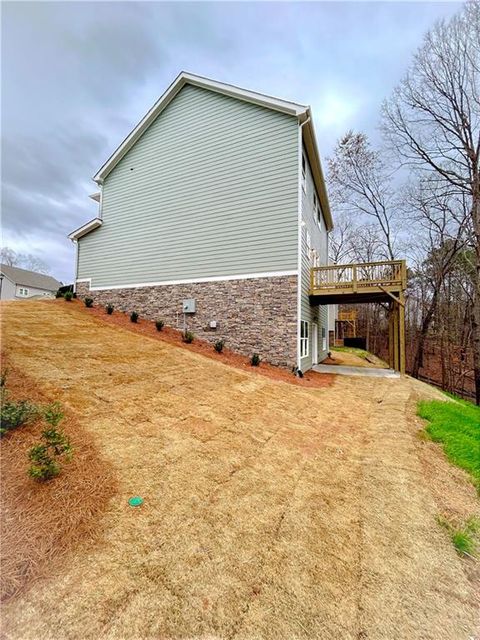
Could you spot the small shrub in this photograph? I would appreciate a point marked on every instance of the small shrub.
(55, 445)
(109, 309)
(134, 316)
(59, 294)
(89, 302)
(68, 295)
(255, 360)
(218, 346)
(159, 324)
(188, 337)
(3, 377)
(15, 413)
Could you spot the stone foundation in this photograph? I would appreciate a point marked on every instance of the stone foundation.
(254, 315)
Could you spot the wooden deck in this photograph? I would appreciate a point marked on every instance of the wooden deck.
(372, 280)
(367, 282)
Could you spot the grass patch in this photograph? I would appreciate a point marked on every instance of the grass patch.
(361, 353)
(465, 537)
(457, 426)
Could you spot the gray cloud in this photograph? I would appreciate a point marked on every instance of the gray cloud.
(77, 76)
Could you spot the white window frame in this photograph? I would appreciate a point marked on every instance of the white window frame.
(324, 338)
(304, 339)
(22, 291)
(317, 210)
(304, 173)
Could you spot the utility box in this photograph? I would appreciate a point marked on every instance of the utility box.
(189, 306)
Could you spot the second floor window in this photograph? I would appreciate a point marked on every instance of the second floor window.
(23, 292)
(304, 174)
(317, 211)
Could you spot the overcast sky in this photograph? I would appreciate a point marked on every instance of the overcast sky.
(77, 76)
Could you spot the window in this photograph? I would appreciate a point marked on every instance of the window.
(23, 292)
(317, 211)
(304, 174)
(324, 339)
(304, 335)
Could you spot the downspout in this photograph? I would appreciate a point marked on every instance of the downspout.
(299, 222)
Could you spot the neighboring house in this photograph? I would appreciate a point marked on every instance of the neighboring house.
(215, 200)
(19, 284)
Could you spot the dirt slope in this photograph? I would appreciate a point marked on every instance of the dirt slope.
(270, 511)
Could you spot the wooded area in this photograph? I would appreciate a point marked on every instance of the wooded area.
(418, 196)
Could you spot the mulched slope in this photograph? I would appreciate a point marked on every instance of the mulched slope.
(173, 336)
(40, 522)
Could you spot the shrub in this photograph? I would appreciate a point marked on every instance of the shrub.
(15, 413)
(218, 346)
(59, 294)
(68, 295)
(134, 316)
(109, 309)
(159, 324)
(255, 360)
(89, 302)
(3, 377)
(188, 337)
(55, 445)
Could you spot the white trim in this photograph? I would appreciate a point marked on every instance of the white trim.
(86, 228)
(182, 79)
(299, 249)
(243, 276)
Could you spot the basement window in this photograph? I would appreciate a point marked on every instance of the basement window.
(304, 338)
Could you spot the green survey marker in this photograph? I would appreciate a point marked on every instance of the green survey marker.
(136, 501)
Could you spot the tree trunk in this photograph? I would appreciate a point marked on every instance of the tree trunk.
(427, 320)
(476, 289)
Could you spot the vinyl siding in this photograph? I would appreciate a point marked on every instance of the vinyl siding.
(319, 242)
(209, 190)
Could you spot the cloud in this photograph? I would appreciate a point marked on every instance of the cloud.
(77, 76)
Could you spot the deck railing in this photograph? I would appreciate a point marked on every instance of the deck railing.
(353, 278)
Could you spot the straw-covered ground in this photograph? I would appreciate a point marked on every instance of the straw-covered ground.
(271, 511)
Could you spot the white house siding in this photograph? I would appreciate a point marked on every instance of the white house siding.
(8, 289)
(209, 190)
(319, 242)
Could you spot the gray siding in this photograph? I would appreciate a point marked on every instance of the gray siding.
(209, 190)
(319, 242)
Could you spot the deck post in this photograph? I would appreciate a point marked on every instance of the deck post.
(396, 341)
(390, 336)
(401, 321)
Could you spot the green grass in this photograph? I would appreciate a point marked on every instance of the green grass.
(358, 352)
(465, 538)
(456, 425)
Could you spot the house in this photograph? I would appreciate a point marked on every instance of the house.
(19, 284)
(211, 214)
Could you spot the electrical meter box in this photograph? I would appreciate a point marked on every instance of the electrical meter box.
(189, 306)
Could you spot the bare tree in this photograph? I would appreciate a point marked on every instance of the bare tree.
(361, 185)
(433, 121)
(23, 260)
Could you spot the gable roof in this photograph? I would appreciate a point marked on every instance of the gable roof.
(30, 278)
(300, 111)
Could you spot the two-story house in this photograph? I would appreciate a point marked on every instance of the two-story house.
(216, 200)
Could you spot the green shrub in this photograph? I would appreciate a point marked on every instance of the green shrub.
(89, 302)
(159, 324)
(68, 295)
(14, 413)
(218, 346)
(255, 360)
(134, 316)
(55, 446)
(188, 337)
(109, 309)
(59, 294)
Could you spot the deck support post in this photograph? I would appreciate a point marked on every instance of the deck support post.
(396, 341)
(401, 337)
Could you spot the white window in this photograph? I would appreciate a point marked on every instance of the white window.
(23, 292)
(324, 339)
(308, 239)
(317, 211)
(304, 174)
(304, 338)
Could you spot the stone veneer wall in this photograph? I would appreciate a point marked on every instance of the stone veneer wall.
(252, 315)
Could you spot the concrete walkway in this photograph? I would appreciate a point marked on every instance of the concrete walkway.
(342, 370)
